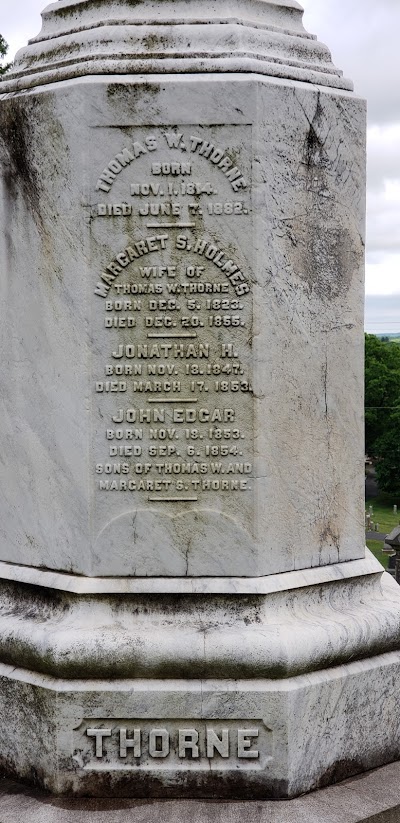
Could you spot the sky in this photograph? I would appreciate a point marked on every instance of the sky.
(363, 38)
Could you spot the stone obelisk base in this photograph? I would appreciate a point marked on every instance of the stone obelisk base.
(244, 696)
(278, 739)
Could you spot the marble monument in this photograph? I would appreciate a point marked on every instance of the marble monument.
(186, 605)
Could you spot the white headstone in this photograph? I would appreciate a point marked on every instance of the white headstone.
(183, 573)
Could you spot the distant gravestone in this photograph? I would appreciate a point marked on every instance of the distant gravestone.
(186, 605)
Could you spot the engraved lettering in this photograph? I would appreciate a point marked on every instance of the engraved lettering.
(245, 743)
(174, 169)
(217, 156)
(188, 742)
(174, 140)
(119, 162)
(172, 385)
(133, 743)
(99, 735)
(216, 743)
(159, 743)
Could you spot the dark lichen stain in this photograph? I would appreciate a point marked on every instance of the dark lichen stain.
(90, 5)
(155, 41)
(314, 154)
(325, 247)
(33, 151)
(210, 784)
(330, 536)
(341, 770)
(137, 91)
(20, 173)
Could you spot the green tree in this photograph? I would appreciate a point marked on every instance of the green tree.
(388, 450)
(382, 410)
(3, 52)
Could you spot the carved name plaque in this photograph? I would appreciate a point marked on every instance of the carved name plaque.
(173, 745)
(172, 329)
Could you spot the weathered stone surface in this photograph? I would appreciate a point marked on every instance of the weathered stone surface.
(290, 631)
(215, 738)
(81, 37)
(371, 798)
(186, 608)
(234, 448)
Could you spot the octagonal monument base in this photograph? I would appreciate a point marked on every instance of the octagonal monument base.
(224, 694)
(84, 739)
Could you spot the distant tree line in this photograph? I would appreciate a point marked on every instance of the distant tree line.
(3, 52)
(382, 410)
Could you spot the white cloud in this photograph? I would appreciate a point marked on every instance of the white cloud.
(383, 210)
(20, 21)
(383, 274)
(383, 155)
(363, 38)
(382, 314)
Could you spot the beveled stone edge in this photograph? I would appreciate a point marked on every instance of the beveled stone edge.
(203, 686)
(285, 581)
(233, 19)
(145, 68)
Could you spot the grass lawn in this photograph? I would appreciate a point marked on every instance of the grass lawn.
(376, 548)
(382, 507)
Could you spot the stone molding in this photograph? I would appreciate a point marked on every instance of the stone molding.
(286, 581)
(87, 37)
(219, 636)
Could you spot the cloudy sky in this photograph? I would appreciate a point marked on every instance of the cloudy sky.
(363, 37)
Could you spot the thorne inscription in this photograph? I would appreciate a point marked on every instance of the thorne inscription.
(154, 744)
(172, 380)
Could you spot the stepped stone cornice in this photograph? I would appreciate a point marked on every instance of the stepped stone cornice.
(108, 37)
